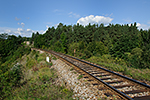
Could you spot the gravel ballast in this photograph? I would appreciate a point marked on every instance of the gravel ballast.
(81, 87)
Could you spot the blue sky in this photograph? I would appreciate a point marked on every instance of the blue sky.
(22, 17)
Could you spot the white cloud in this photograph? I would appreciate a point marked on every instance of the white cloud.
(29, 30)
(56, 25)
(138, 24)
(47, 26)
(143, 26)
(94, 20)
(71, 14)
(21, 24)
(42, 32)
(19, 31)
(8, 30)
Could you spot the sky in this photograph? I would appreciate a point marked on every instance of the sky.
(23, 17)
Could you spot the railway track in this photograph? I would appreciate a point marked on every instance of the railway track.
(110, 83)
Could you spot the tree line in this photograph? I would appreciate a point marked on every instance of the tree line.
(125, 42)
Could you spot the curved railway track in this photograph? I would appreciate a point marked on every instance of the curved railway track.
(109, 82)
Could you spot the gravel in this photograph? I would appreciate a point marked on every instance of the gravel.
(82, 89)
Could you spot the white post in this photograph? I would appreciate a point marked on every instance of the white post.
(47, 59)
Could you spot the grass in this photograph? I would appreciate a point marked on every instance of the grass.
(39, 84)
(79, 77)
(71, 68)
(53, 57)
(119, 65)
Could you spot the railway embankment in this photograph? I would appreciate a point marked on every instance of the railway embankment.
(73, 80)
(80, 76)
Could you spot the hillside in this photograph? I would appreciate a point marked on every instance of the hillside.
(33, 77)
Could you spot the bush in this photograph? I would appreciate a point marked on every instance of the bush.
(10, 79)
(57, 46)
(30, 63)
(101, 48)
(72, 47)
(16, 74)
(135, 59)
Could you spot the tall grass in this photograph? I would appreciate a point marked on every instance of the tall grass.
(39, 84)
(119, 65)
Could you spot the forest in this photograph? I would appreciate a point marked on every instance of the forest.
(123, 43)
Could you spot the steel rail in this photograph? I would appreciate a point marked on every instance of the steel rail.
(122, 95)
(111, 87)
(110, 71)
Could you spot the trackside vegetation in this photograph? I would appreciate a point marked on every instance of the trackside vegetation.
(25, 74)
(125, 47)
(39, 81)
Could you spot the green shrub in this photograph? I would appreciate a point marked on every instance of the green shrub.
(41, 86)
(44, 78)
(30, 63)
(36, 56)
(54, 58)
(79, 77)
(10, 79)
(51, 64)
(135, 58)
(33, 52)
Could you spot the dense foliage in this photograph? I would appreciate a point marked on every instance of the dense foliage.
(9, 44)
(10, 71)
(120, 41)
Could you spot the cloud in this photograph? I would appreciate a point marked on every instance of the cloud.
(19, 31)
(17, 18)
(143, 26)
(56, 25)
(94, 20)
(22, 24)
(71, 14)
(29, 30)
(47, 26)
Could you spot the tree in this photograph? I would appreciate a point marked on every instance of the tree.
(63, 39)
(32, 38)
(3, 36)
